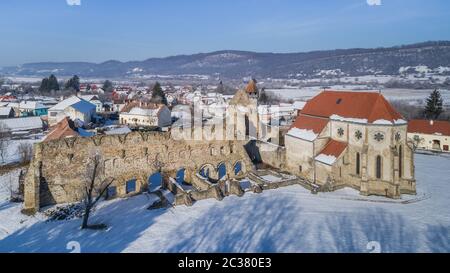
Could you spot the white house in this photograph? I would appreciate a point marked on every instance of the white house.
(94, 100)
(19, 125)
(6, 112)
(430, 135)
(145, 114)
(73, 107)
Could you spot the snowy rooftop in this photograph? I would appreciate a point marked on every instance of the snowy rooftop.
(4, 111)
(22, 124)
(31, 105)
(61, 106)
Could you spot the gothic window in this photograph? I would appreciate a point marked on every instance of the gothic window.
(378, 167)
(358, 134)
(400, 161)
(340, 132)
(378, 137)
(358, 164)
(398, 136)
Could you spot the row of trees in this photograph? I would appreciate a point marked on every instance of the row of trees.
(51, 84)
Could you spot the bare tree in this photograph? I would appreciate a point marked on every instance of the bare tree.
(95, 188)
(25, 151)
(416, 141)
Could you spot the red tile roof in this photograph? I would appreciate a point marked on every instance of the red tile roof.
(362, 105)
(334, 148)
(251, 87)
(64, 128)
(429, 127)
(310, 123)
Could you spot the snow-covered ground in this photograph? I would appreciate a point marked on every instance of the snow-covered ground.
(284, 220)
(12, 149)
(413, 96)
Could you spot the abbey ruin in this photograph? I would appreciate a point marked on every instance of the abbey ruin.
(339, 139)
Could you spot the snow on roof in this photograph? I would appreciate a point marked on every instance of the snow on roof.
(61, 106)
(22, 124)
(31, 105)
(4, 111)
(63, 129)
(314, 124)
(327, 159)
(143, 112)
(302, 134)
(331, 152)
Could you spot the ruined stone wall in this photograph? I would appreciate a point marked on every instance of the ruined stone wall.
(58, 170)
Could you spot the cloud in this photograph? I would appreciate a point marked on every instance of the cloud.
(374, 2)
(73, 2)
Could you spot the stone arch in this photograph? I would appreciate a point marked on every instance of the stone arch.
(180, 175)
(155, 181)
(238, 168)
(221, 170)
(207, 171)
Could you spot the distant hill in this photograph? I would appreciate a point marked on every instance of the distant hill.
(238, 64)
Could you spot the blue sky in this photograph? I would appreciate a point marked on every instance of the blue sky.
(100, 30)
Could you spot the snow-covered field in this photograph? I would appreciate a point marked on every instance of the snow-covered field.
(284, 220)
(413, 96)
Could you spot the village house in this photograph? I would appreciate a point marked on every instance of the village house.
(32, 108)
(138, 113)
(431, 135)
(22, 126)
(6, 112)
(94, 100)
(64, 129)
(74, 107)
(352, 139)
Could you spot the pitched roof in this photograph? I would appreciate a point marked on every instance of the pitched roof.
(142, 105)
(22, 124)
(331, 152)
(31, 105)
(314, 124)
(83, 106)
(251, 87)
(334, 148)
(360, 105)
(5, 111)
(89, 97)
(61, 106)
(429, 127)
(64, 128)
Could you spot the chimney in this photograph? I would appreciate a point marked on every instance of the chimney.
(431, 122)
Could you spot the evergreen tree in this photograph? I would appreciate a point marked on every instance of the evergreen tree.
(263, 98)
(44, 85)
(158, 95)
(434, 109)
(73, 83)
(108, 86)
(53, 83)
(49, 84)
